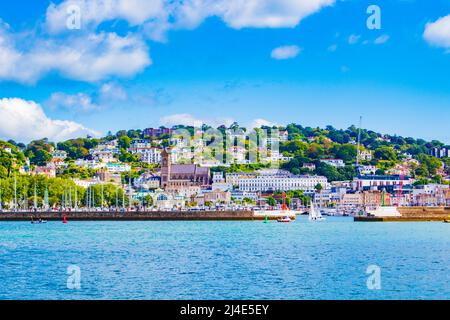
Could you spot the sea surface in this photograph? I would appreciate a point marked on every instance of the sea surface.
(225, 260)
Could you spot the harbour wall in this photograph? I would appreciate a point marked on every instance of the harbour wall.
(413, 214)
(137, 216)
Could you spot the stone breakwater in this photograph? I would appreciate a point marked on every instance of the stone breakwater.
(414, 214)
(136, 216)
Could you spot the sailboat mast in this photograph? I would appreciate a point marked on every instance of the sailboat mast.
(15, 192)
(129, 189)
(35, 197)
(117, 198)
(359, 143)
(76, 198)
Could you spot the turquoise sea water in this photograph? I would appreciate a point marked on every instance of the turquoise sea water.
(225, 260)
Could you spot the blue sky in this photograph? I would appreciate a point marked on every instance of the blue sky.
(219, 67)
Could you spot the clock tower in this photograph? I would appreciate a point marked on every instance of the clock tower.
(166, 165)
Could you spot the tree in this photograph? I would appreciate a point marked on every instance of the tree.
(346, 152)
(385, 153)
(271, 201)
(148, 201)
(318, 188)
(249, 201)
(41, 157)
(124, 142)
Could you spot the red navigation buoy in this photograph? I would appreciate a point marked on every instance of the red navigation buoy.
(64, 219)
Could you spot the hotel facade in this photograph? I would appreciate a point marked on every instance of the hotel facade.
(282, 181)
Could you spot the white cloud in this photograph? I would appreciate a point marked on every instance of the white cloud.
(257, 123)
(90, 55)
(159, 16)
(268, 13)
(285, 52)
(26, 120)
(76, 102)
(94, 12)
(112, 92)
(353, 39)
(181, 119)
(437, 33)
(87, 58)
(382, 39)
(190, 120)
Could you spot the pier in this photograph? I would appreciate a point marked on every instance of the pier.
(228, 215)
(411, 214)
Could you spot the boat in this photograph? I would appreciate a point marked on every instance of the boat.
(283, 215)
(284, 219)
(315, 215)
(328, 211)
(40, 221)
(447, 221)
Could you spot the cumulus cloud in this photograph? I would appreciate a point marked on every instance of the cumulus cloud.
(26, 120)
(94, 12)
(190, 120)
(159, 16)
(91, 55)
(437, 33)
(382, 39)
(285, 52)
(187, 119)
(75, 102)
(87, 58)
(258, 123)
(112, 92)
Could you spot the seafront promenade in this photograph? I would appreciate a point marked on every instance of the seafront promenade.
(139, 216)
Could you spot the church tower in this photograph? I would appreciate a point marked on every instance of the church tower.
(166, 165)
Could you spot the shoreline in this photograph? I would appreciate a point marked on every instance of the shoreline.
(140, 216)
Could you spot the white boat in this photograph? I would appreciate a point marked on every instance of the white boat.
(284, 219)
(315, 215)
(328, 211)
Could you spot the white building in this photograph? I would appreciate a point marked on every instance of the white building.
(275, 156)
(309, 166)
(338, 163)
(365, 170)
(118, 167)
(233, 178)
(103, 155)
(389, 183)
(365, 155)
(6, 149)
(282, 181)
(147, 154)
(218, 177)
(284, 135)
(140, 144)
(59, 155)
(89, 164)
